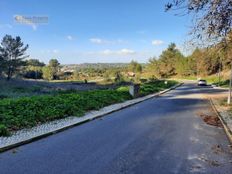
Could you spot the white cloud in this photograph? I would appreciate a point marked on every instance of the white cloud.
(69, 37)
(55, 51)
(124, 51)
(157, 42)
(106, 52)
(97, 41)
(91, 56)
(104, 41)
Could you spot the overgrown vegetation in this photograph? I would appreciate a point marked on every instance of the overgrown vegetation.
(26, 112)
(155, 86)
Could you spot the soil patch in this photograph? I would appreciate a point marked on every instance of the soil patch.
(211, 119)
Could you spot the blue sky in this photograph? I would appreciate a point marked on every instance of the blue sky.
(81, 31)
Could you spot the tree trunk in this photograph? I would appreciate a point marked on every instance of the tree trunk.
(219, 73)
(9, 73)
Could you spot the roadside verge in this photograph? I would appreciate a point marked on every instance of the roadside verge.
(225, 118)
(29, 135)
(218, 87)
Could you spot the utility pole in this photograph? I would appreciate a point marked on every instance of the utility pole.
(229, 96)
(219, 71)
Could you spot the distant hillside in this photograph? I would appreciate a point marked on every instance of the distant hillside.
(73, 67)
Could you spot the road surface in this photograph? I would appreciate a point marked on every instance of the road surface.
(162, 135)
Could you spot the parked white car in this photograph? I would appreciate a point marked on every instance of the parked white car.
(202, 83)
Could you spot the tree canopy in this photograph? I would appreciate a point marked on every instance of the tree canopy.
(50, 71)
(135, 67)
(12, 53)
(212, 17)
(34, 62)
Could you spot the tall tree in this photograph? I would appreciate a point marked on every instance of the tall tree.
(47, 73)
(12, 53)
(1, 65)
(154, 67)
(34, 62)
(135, 67)
(54, 67)
(213, 21)
(168, 60)
(182, 67)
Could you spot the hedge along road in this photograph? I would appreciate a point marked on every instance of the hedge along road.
(161, 135)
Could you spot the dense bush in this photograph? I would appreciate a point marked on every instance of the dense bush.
(32, 74)
(3, 130)
(155, 86)
(3, 96)
(26, 112)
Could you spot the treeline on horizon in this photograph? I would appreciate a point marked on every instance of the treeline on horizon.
(171, 63)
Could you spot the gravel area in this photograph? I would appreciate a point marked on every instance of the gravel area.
(224, 112)
(226, 116)
(27, 135)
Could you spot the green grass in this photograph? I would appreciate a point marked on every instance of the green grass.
(155, 86)
(26, 112)
(13, 90)
(66, 81)
(213, 79)
(223, 83)
(187, 78)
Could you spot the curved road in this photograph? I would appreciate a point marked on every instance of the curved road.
(162, 135)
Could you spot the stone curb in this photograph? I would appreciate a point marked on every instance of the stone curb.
(218, 87)
(87, 117)
(225, 126)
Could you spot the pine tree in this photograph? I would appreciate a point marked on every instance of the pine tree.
(12, 53)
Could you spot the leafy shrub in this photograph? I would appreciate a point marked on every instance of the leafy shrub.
(123, 88)
(33, 74)
(4, 131)
(155, 86)
(3, 96)
(26, 112)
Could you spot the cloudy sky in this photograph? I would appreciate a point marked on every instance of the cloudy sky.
(78, 31)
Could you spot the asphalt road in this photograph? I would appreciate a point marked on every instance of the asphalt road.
(162, 135)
